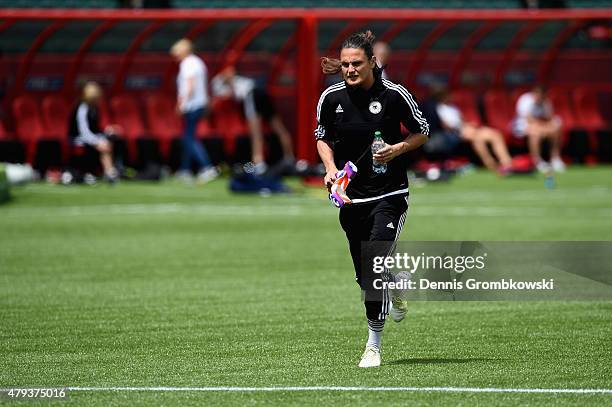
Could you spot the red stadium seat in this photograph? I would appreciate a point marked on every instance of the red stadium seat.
(56, 112)
(104, 113)
(228, 119)
(588, 114)
(126, 114)
(466, 102)
(28, 123)
(205, 129)
(499, 111)
(164, 122)
(562, 107)
(4, 134)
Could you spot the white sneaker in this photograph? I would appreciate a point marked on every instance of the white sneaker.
(255, 169)
(371, 357)
(260, 168)
(543, 166)
(558, 165)
(207, 175)
(399, 302)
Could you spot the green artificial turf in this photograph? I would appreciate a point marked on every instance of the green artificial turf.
(174, 285)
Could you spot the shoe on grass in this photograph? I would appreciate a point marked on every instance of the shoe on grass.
(543, 167)
(371, 357)
(207, 174)
(558, 165)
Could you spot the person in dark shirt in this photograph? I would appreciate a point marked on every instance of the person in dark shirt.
(349, 113)
(84, 129)
(258, 108)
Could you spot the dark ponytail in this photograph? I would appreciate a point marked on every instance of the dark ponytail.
(362, 40)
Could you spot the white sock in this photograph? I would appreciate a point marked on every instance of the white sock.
(375, 330)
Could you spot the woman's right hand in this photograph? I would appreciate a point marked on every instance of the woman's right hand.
(330, 178)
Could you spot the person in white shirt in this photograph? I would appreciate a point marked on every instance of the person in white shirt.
(192, 105)
(258, 106)
(535, 118)
(480, 137)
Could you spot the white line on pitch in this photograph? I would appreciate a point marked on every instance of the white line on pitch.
(290, 210)
(341, 388)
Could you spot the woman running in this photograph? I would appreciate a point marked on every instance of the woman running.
(349, 113)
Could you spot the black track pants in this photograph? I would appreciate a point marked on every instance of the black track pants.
(372, 229)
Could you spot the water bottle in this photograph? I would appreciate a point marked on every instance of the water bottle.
(549, 180)
(377, 144)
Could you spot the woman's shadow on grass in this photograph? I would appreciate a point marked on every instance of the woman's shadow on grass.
(436, 361)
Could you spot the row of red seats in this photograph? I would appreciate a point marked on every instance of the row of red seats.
(50, 120)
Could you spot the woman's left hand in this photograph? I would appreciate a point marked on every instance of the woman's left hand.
(388, 153)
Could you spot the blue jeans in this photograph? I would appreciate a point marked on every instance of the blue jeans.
(192, 148)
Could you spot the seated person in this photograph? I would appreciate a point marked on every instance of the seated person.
(258, 106)
(84, 129)
(480, 137)
(535, 119)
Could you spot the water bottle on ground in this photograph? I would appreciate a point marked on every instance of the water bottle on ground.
(377, 144)
(549, 180)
